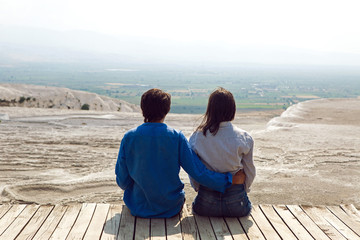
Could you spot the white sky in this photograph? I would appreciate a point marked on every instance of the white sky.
(324, 25)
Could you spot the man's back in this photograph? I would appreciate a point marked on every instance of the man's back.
(151, 155)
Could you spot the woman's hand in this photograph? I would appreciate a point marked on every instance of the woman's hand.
(239, 177)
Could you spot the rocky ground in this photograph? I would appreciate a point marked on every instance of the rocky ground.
(308, 155)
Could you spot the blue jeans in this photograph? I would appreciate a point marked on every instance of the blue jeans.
(233, 203)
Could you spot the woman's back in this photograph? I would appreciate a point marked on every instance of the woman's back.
(228, 151)
(222, 152)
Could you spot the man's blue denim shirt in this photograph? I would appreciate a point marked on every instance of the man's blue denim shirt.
(148, 167)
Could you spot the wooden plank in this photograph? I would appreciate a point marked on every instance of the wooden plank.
(307, 222)
(351, 211)
(35, 223)
(220, 228)
(111, 228)
(316, 216)
(157, 228)
(142, 228)
(50, 223)
(188, 225)
(97, 222)
(66, 222)
(265, 227)
(251, 228)
(20, 222)
(235, 228)
(339, 225)
(173, 228)
(10, 216)
(281, 228)
(4, 209)
(352, 224)
(127, 224)
(204, 227)
(292, 223)
(82, 222)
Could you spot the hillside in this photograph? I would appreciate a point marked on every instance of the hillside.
(33, 96)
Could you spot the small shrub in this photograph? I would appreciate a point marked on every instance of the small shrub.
(22, 99)
(85, 106)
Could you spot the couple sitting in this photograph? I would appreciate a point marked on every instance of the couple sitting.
(151, 155)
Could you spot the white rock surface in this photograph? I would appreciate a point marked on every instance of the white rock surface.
(4, 116)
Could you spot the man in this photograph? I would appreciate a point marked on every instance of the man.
(149, 162)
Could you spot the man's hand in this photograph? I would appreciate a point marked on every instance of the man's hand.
(239, 177)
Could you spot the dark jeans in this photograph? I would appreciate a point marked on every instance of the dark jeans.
(233, 203)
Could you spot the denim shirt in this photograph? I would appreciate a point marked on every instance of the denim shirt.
(148, 167)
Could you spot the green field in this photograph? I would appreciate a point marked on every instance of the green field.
(255, 87)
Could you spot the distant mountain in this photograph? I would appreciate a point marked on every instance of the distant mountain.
(22, 95)
(42, 45)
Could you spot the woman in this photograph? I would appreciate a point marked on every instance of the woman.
(223, 147)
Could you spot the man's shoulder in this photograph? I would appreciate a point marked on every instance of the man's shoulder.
(131, 132)
(173, 131)
(160, 129)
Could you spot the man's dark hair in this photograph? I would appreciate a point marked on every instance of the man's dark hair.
(221, 107)
(155, 104)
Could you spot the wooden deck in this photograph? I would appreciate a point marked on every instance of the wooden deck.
(108, 221)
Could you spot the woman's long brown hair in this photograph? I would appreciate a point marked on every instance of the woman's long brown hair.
(221, 107)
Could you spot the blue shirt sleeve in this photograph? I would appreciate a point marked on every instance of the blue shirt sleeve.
(123, 178)
(190, 162)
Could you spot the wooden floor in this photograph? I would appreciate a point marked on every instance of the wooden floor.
(108, 221)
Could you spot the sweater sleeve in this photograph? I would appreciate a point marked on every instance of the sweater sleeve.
(190, 162)
(195, 185)
(249, 167)
(123, 178)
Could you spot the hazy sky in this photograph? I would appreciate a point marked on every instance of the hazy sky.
(324, 25)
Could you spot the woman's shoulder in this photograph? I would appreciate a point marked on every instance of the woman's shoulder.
(194, 135)
(241, 133)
